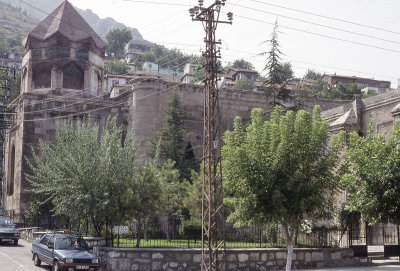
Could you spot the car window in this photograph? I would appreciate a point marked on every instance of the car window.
(70, 242)
(51, 241)
(6, 223)
(44, 240)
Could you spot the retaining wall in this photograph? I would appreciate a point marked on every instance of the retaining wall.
(132, 259)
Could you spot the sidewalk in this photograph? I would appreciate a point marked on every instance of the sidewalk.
(379, 265)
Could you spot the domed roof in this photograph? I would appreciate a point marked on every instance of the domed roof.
(66, 21)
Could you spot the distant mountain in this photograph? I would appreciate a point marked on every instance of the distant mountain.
(101, 26)
(15, 20)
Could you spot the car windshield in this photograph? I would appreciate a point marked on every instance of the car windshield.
(6, 223)
(70, 242)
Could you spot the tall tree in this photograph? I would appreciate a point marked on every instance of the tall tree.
(280, 171)
(116, 41)
(83, 176)
(173, 144)
(277, 77)
(373, 177)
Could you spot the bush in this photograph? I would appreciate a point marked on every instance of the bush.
(190, 229)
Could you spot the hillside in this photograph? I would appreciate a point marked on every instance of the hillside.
(101, 26)
(15, 19)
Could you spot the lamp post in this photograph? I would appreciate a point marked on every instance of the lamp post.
(213, 220)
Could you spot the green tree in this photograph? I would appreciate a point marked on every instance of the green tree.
(82, 175)
(342, 92)
(198, 74)
(287, 71)
(115, 67)
(280, 171)
(173, 145)
(241, 64)
(244, 84)
(278, 74)
(312, 75)
(4, 45)
(373, 178)
(143, 196)
(116, 41)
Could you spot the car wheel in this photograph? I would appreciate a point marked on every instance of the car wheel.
(15, 242)
(36, 260)
(56, 266)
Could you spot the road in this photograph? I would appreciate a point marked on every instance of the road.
(18, 258)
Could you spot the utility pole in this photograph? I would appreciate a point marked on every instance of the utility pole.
(213, 220)
(7, 117)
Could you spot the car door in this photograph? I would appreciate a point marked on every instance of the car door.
(49, 250)
(42, 247)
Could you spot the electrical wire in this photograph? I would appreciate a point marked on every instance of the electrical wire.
(321, 35)
(318, 24)
(327, 17)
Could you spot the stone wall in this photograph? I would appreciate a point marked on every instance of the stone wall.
(236, 259)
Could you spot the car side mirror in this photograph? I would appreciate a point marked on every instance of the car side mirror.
(50, 246)
(90, 248)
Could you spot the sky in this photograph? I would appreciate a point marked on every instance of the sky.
(321, 41)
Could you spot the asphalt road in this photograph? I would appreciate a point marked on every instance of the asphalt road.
(18, 258)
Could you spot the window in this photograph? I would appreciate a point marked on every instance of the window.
(11, 169)
(73, 75)
(44, 240)
(41, 75)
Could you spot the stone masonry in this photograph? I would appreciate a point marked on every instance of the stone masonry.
(132, 259)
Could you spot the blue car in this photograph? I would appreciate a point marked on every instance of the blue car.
(8, 232)
(64, 251)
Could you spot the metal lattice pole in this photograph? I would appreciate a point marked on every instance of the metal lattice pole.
(213, 221)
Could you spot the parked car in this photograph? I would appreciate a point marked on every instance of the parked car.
(8, 232)
(64, 251)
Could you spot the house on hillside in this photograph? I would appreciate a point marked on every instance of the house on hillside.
(379, 85)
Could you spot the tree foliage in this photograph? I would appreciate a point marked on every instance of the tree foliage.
(280, 170)
(167, 58)
(342, 92)
(173, 146)
(312, 75)
(115, 67)
(277, 73)
(198, 74)
(241, 64)
(372, 177)
(83, 176)
(116, 41)
(245, 84)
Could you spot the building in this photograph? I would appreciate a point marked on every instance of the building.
(137, 47)
(62, 79)
(333, 79)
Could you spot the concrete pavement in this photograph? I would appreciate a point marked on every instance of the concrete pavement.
(18, 258)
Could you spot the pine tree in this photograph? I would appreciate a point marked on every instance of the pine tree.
(173, 144)
(276, 82)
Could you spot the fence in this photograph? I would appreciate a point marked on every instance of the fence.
(173, 236)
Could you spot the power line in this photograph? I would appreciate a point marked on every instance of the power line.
(318, 24)
(321, 35)
(327, 17)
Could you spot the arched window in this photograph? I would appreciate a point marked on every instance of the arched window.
(11, 171)
(41, 75)
(73, 75)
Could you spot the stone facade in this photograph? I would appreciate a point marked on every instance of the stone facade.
(128, 259)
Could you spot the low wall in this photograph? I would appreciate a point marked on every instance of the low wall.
(142, 259)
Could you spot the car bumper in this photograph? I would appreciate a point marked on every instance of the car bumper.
(78, 267)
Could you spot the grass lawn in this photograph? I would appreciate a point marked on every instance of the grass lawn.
(162, 243)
